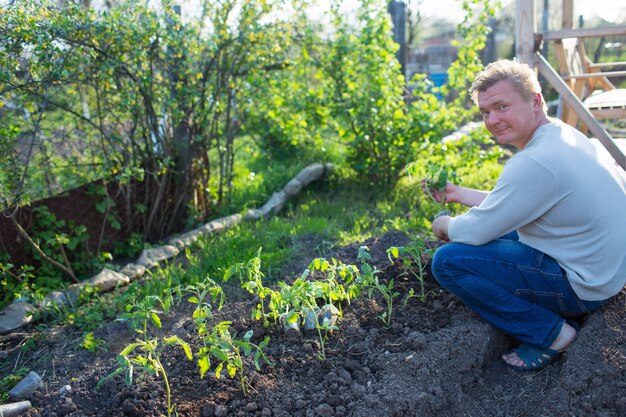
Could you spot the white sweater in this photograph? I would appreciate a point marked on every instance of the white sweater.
(566, 197)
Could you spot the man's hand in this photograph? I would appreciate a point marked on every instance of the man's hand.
(455, 194)
(443, 196)
(440, 227)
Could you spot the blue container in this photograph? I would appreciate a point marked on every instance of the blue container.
(438, 79)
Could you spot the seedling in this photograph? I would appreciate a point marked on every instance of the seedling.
(139, 315)
(414, 260)
(436, 176)
(223, 346)
(149, 356)
(370, 280)
(251, 278)
(203, 311)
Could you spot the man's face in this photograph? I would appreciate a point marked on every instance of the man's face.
(508, 116)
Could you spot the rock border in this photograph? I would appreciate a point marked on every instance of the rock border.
(19, 312)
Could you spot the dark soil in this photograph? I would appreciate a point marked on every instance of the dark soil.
(437, 359)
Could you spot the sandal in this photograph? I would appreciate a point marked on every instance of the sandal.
(535, 357)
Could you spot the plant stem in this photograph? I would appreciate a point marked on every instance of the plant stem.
(241, 375)
(167, 388)
(432, 197)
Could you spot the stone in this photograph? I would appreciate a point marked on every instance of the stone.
(253, 214)
(16, 315)
(61, 297)
(186, 239)
(310, 174)
(293, 187)
(221, 410)
(107, 280)
(152, 257)
(222, 223)
(274, 204)
(133, 271)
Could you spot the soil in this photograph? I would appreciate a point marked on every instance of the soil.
(437, 359)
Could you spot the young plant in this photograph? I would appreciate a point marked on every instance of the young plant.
(223, 346)
(149, 354)
(323, 328)
(370, 280)
(203, 311)
(139, 315)
(414, 261)
(305, 294)
(251, 278)
(436, 177)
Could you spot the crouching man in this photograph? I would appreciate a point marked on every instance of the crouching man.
(547, 244)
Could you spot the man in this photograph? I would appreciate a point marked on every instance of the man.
(548, 243)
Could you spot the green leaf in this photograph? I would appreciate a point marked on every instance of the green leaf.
(204, 364)
(126, 351)
(218, 370)
(394, 251)
(232, 370)
(219, 354)
(155, 319)
(248, 335)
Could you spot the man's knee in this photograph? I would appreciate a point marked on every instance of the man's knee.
(441, 261)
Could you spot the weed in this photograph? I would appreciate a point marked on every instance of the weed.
(9, 381)
(91, 343)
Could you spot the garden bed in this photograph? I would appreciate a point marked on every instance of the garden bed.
(437, 359)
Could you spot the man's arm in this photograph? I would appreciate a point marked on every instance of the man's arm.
(456, 194)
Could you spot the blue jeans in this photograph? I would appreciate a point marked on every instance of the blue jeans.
(517, 289)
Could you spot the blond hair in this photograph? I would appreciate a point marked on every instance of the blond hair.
(522, 77)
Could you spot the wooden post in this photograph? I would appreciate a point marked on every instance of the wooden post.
(568, 14)
(525, 31)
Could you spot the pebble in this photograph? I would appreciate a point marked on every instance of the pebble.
(65, 389)
(324, 410)
(221, 410)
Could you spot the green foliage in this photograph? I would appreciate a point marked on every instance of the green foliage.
(150, 349)
(15, 282)
(415, 259)
(153, 98)
(130, 247)
(9, 381)
(372, 283)
(91, 343)
(223, 346)
(84, 309)
(65, 242)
